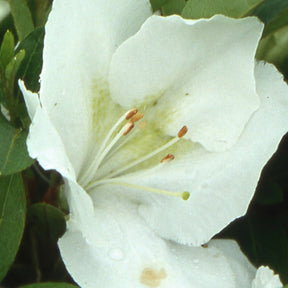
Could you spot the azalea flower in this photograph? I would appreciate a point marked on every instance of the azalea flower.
(160, 133)
(4, 9)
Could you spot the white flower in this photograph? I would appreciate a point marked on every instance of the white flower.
(4, 9)
(265, 278)
(199, 100)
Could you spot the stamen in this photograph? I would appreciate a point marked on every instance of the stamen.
(96, 162)
(108, 147)
(124, 141)
(131, 113)
(167, 158)
(182, 131)
(137, 117)
(174, 140)
(183, 195)
(129, 126)
(124, 131)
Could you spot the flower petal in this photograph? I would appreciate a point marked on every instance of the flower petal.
(31, 100)
(123, 251)
(118, 253)
(221, 184)
(265, 278)
(191, 78)
(243, 270)
(78, 45)
(45, 144)
(80, 207)
(4, 9)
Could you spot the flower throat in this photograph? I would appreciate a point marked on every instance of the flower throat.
(114, 141)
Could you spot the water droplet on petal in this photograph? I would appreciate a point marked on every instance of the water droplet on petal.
(116, 254)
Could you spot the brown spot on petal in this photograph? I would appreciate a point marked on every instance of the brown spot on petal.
(151, 277)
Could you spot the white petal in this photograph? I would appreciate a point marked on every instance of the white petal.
(195, 73)
(121, 251)
(80, 207)
(45, 145)
(31, 99)
(243, 270)
(265, 278)
(4, 9)
(204, 267)
(221, 184)
(117, 251)
(78, 45)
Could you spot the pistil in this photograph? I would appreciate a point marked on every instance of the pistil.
(117, 181)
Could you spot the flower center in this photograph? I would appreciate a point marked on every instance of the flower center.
(117, 137)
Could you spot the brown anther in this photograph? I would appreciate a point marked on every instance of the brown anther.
(131, 113)
(137, 117)
(182, 131)
(129, 127)
(167, 158)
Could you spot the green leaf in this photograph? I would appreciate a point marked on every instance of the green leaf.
(270, 9)
(173, 7)
(47, 221)
(273, 49)
(271, 194)
(13, 151)
(277, 23)
(49, 285)
(31, 66)
(12, 219)
(6, 50)
(2, 98)
(13, 66)
(22, 18)
(40, 11)
(196, 9)
(157, 4)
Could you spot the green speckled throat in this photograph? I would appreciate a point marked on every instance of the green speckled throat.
(128, 152)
